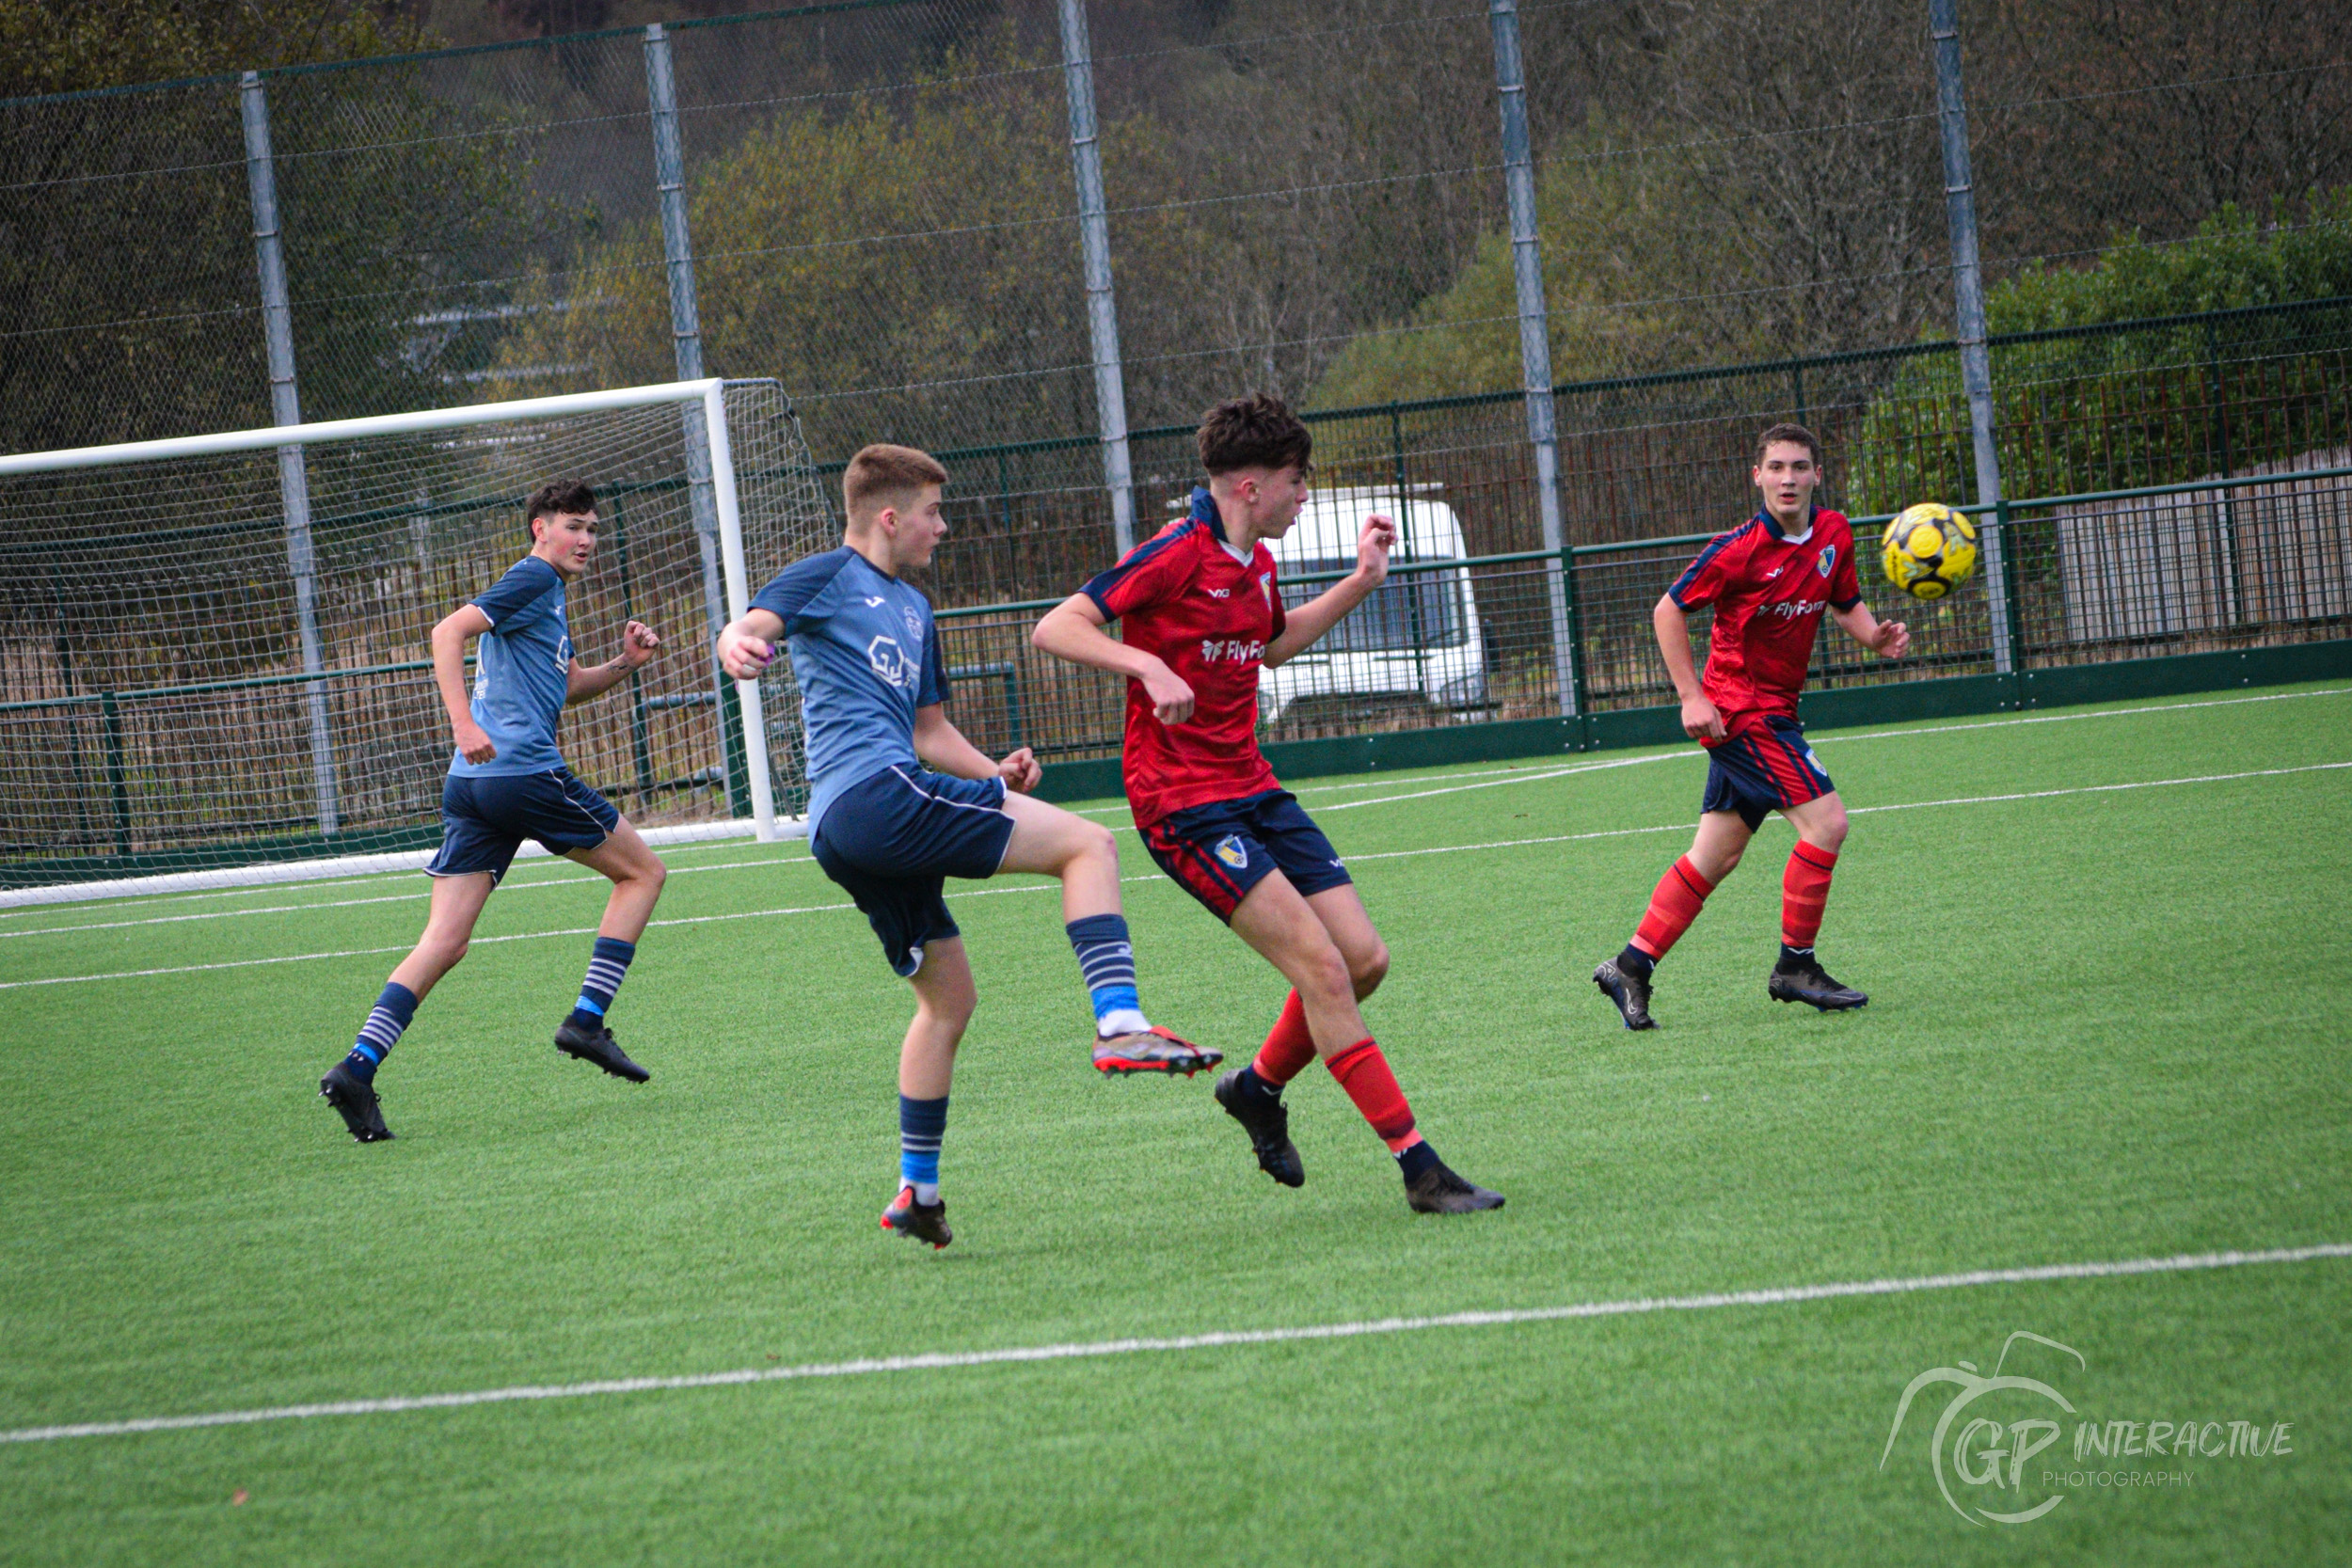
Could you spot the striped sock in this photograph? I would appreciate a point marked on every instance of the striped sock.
(1107, 961)
(386, 1020)
(922, 1127)
(607, 966)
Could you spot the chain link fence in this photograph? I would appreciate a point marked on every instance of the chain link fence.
(1736, 214)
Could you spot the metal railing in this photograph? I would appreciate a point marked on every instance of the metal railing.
(2245, 561)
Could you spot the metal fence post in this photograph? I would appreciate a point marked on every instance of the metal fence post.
(1534, 331)
(1094, 239)
(685, 334)
(285, 407)
(1976, 358)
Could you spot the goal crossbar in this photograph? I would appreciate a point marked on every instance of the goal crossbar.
(708, 391)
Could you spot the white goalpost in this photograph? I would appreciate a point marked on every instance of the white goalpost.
(212, 648)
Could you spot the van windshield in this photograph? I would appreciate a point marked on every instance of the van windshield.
(1418, 609)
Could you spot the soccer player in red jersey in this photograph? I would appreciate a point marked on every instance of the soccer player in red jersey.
(1199, 615)
(1768, 580)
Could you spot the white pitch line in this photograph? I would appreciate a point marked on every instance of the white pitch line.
(1838, 737)
(1508, 773)
(1038, 887)
(382, 898)
(1780, 1295)
(1528, 778)
(1042, 886)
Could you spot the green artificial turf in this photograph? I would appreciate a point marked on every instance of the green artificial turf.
(2105, 1025)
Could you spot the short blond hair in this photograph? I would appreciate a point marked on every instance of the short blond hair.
(883, 476)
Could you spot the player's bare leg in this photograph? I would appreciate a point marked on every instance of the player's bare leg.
(350, 1083)
(1048, 841)
(637, 875)
(1329, 952)
(944, 998)
(448, 929)
(1820, 825)
(1715, 850)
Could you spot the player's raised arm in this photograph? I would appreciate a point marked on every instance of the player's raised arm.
(939, 744)
(1310, 621)
(638, 644)
(449, 673)
(1886, 639)
(1074, 629)
(746, 645)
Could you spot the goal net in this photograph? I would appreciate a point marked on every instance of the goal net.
(212, 650)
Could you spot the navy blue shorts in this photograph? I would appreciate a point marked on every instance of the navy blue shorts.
(1219, 851)
(484, 820)
(892, 841)
(1763, 769)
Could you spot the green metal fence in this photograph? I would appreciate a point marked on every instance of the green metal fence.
(2253, 560)
(2117, 404)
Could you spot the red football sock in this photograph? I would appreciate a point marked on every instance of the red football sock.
(1803, 889)
(1363, 1072)
(1288, 1049)
(1681, 894)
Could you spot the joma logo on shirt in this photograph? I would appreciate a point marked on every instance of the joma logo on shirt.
(1229, 649)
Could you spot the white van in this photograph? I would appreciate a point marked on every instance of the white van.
(1415, 637)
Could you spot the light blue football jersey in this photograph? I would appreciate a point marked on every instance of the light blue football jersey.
(865, 653)
(522, 670)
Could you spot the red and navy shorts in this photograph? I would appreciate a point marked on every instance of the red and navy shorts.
(1764, 769)
(1218, 852)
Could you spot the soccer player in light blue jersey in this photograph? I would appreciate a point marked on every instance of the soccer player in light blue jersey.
(900, 801)
(507, 782)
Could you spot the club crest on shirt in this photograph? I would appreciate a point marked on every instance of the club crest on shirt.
(1828, 559)
(891, 663)
(1232, 851)
(914, 621)
(1265, 586)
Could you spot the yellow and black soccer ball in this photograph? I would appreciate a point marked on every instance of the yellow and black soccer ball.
(1930, 549)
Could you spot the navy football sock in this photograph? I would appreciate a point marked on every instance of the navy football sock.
(607, 967)
(1795, 958)
(922, 1127)
(1107, 961)
(391, 1014)
(1252, 1084)
(1636, 962)
(1415, 1159)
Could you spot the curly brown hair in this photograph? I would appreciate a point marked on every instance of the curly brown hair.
(1256, 432)
(557, 496)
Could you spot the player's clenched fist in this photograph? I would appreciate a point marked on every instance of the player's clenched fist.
(1171, 696)
(638, 644)
(1373, 545)
(744, 656)
(1021, 772)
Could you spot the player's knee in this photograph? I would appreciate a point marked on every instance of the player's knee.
(443, 950)
(1367, 969)
(653, 874)
(1324, 972)
(1829, 832)
(1099, 844)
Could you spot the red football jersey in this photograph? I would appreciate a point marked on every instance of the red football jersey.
(1769, 592)
(1181, 594)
